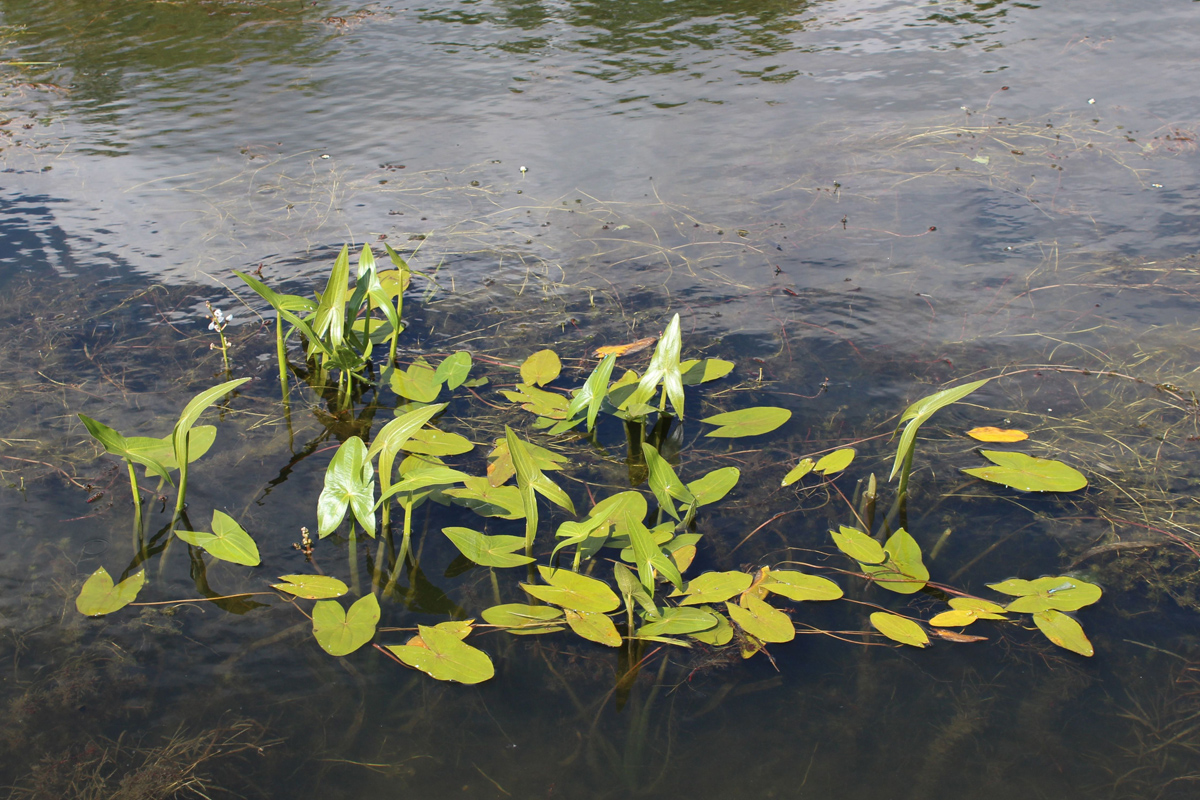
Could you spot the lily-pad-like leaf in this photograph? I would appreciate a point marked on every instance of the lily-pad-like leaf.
(761, 620)
(798, 586)
(574, 591)
(522, 618)
(341, 632)
(594, 627)
(445, 657)
(228, 541)
(965, 610)
(487, 500)
(990, 434)
(1063, 631)
(747, 421)
(1061, 593)
(99, 596)
(715, 587)
(899, 629)
(834, 462)
(709, 369)
(799, 471)
(903, 572)
(541, 368)
(311, 587)
(1028, 474)
(488, 551)
(859, 546)
(713, 486)
(454, 369)
(418, 383)
(678, 621)
(432, 442)
(719, 635)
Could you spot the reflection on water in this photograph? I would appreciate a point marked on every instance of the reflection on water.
(856, 203)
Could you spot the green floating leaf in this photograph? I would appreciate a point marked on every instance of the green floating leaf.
(715, 587)
(594, 627)
(487, 500)
(903, 572)
(541, 368)
(798, 586)
(679, 621)
(717, 636)
(574, 591)
(431, 442)
(340, 632)
(799, 471)
(859, 546)
(454, 369)
(228, 541)
(1061, 593)
(834, 462)
(444, 656)
(899, 629)
(1028, 474)
(522, 618)
(488, 551)
(695, 371)
(98, 595)
(1063, 631)
(747, 421)
(418, 383)
(762, 621)
(311, 587)
(715, 485)
(546, 404)
(965, 610)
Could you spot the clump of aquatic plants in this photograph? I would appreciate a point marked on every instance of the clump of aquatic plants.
(617, 573)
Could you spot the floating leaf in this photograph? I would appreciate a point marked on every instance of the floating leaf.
(311, 587)
(717, 636)
(799, 471)
(1028, 474)
(798, 586)
(859, 546)
(834, 462)
(1061, 593)
(747, 421)
(340, 632)
(500, 467)
(487, 500)
(418, 383)
(899, 629)
(760, 620)
(619, 350)
(715, 485)
(903, 572)
(445, 657)
(715, 587)
(952, 636)
(709, 369)
(488, 551)
(228, 541)
(571, 590)
(678, 621)
(965, 610)
(541, 368)
(1063, 631)
(539, 401)
(454, 369)
(522, 618)
(99, 596)
(990, 434)
(594, 627)
(431, 442)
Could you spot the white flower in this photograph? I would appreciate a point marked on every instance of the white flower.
(212, 326)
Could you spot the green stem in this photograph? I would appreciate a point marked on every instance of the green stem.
(181, 494)
(137, 508)
(281, 356)
(353, 553)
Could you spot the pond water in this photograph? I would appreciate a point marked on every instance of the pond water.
(855, 203)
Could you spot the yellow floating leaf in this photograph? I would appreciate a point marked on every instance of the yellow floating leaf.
(625, 349)
(990, 434)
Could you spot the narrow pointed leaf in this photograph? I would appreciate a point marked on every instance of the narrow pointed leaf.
(799, 471)
(917, 413)
(311, 587)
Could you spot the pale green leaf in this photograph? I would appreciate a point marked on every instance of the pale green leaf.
(1028, 474)
(311, 587)
(541, 368)
(488, 551)
(715, 587)
(899, 629)
(522, 618)
(341, 632)
(445, 657)
(917, 413)
(799, 471)
(1063, 631)
(574, 591)
(859, 546)
(834, 462)
(454, 369)
(594, 627)
(798, 586)
(99, 596)
(714, 486)
(748, 421)
(694, 372)
(679, 621)
(228, 541)
(761, 620)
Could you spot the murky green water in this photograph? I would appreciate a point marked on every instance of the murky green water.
(856, 203)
